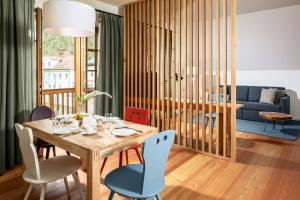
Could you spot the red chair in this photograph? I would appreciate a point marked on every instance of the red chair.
(135, 115)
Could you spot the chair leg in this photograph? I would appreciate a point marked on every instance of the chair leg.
(138, 155)
(126, 154)
(67, 186)
(103, 165)
(121, 159)
(77, 183)
(111, 195)
(38, 149)
(43, 191)
(47, 153)
(54, 151)
(29, 190)
(157, 197)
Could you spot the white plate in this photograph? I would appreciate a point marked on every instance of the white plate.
(88, 132)
(122, 132)
(62, 131)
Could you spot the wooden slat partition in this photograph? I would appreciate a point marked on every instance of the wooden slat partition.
(176, 66)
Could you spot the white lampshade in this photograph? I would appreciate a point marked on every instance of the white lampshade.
(68, 18)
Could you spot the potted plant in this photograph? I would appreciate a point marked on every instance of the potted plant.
(82, 100)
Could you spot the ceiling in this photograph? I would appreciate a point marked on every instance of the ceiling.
(243, 6)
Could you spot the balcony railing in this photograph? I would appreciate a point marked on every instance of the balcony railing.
(62, 101)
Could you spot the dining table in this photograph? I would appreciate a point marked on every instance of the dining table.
(91, 148)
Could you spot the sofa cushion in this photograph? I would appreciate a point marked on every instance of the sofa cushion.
(254, 93)
(241, 92)
(261, 106)
(268, 95)
(279, 94)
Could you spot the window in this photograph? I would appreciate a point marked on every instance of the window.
(58, 55)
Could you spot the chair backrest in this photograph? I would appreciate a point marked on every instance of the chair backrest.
(136, 115)
(29, 154)
(155, 153)
(41, 112)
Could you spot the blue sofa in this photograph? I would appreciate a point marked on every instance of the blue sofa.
(249, 96)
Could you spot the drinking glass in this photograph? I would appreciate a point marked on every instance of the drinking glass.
(109, 121)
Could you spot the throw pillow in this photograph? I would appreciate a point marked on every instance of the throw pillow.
(268, 95)
(278, 95)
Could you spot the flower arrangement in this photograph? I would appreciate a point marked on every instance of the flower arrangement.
(82, 100)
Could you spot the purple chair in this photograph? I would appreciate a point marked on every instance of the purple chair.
(39, 113)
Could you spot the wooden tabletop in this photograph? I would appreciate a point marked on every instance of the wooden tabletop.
(103, 140)
(275, 116)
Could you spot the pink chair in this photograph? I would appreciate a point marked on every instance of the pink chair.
(135, 115)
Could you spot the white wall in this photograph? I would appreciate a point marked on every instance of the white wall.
(268, 51)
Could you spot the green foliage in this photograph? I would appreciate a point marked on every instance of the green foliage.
(52, 44)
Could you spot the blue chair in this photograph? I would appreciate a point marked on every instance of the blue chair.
(214, 115)
(143, 181)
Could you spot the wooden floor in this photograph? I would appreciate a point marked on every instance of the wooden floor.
(266, 168)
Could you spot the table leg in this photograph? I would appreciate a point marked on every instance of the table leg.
(93, 175)
(266, 123)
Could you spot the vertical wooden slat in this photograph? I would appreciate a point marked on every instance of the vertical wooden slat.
(132, 66)
(154, 10)
(68, 103)
(44, 99)
(179, 69)
(145, 44)
(51, 101)
(203, 75)
(210, 73)
(136, 54)
(173, 64)
(128, 55)
(63, 103)
(162, 58)
(140, 56)
(125, 59)
(73, 103)
(185, 72)
(158, 67)
(225, 78)
(149, 39)
(233, 78)
(218, 143)
(197, 74)
(167, 83)
(191, 74)
(57, 102)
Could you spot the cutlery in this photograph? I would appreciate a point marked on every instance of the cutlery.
(139, 131)
(71, 134)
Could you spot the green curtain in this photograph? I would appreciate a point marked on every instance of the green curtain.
(110, 71)
(17, 75)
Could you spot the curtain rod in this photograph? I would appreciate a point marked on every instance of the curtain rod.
(108, 13)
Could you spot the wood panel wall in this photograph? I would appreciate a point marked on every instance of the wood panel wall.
(177, 63)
